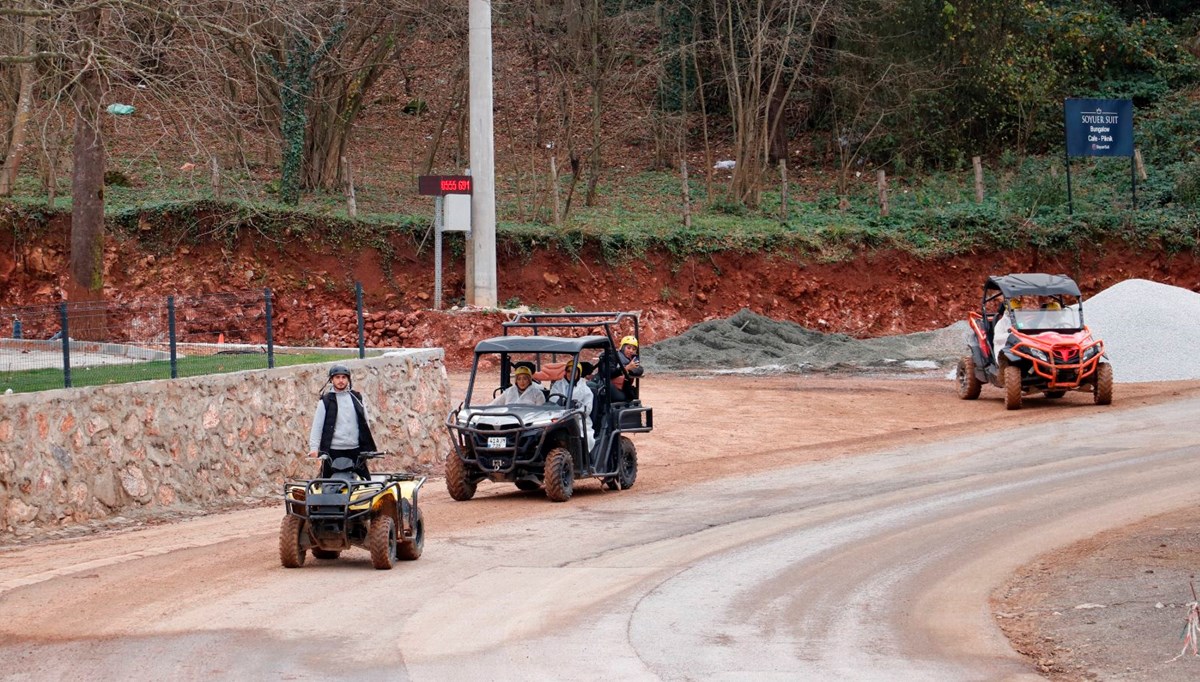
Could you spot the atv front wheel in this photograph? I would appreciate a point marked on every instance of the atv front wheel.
(410, 550)
(458, 479)
(381, 540)
(291, 550)
(1012, 387)
(325, 553)
(627, 474)
(560, 475)
(968, 383)
(1104, 384)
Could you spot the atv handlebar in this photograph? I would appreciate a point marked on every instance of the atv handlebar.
(369, 454)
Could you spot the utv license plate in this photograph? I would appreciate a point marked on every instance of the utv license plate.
(497, 442)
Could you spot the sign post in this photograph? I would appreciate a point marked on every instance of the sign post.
(438, 186)
(1098, 127)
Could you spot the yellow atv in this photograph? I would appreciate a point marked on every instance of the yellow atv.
(328, 515)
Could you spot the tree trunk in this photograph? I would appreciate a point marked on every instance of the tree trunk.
(16, 147)
(87, 186)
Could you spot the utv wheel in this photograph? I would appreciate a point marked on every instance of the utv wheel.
(560, 475)
(1104, 384)
(528, 485)
(968, 384)
(1012, 387)
(381, 540)
(627, 473)
(458, 479)
(1055, 394)
(291, 550)
(410, 550)
(325, 553)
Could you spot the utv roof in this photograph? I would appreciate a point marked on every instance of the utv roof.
(1032, 284)
(541, 344)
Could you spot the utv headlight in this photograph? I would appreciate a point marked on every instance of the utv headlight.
(1039, 354)
(1091, 352)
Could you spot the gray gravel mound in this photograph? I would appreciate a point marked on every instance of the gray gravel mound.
(748, 340)
(1151, 331)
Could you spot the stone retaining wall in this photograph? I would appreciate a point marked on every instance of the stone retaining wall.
(75, 455)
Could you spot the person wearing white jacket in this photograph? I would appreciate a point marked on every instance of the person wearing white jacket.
(582, 396)
(522, 392)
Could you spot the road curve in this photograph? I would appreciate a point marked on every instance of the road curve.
(875, 567)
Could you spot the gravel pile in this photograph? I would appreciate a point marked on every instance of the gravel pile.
(753, 343)
(1151, 331)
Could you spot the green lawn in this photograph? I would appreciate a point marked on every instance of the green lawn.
(46, 379)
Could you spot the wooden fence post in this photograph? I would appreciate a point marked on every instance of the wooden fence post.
(978, 163)
(883, 198)
(351, 200)
(554, 185)
(783, 191)
(687, 195)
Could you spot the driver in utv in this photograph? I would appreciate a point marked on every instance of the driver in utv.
(340, 426)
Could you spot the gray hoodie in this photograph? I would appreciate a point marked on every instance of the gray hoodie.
(345, 427)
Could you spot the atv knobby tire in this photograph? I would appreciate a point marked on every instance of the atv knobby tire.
(410, 550)
(291, 549)
(968, 383)
(1012, 387)
(560, 475)
(1104, 384)
(381, 540)
(627, 471)
(325, 553)
(458, 479)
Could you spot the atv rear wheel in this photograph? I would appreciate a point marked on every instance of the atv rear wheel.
(410, 550)
(1054, 394)
(560, 475)
(968, 383)
(1012, 387)
(528, 485)
(1104, 384)
(291, 550)
(627, 473)
(325, 553)
(381, 540)
(458, 479)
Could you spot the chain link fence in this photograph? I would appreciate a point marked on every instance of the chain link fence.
(68, 345)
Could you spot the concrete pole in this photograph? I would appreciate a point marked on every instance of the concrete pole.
(482, 245)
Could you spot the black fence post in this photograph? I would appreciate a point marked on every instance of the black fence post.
(16, 327)
(270, 331)
(171, 332)
(66, 345)
(362, 340)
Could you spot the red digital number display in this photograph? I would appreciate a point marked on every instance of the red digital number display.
(456, 185)
(440, 185)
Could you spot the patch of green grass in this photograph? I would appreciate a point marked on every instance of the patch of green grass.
(25, 381)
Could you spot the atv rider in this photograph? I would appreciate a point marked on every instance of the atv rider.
(581, 396)
(340, 426)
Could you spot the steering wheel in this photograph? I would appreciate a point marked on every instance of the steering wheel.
(498, 391)
(550, 398)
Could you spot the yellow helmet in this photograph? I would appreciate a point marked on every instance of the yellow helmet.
(629, 341)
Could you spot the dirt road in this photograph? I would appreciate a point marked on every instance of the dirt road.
(753, 543)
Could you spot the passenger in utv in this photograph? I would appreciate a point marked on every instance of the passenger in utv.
(582, 396)
(522, 391)
(628, 366)
(340, 426)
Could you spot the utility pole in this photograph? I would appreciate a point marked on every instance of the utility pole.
(481, 246)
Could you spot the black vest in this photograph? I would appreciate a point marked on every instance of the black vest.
(365, 442)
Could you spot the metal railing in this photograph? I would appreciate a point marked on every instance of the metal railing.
(67, 345)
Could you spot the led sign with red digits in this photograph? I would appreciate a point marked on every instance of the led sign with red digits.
(438, 185)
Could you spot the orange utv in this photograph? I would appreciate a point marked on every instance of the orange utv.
(1029, 338)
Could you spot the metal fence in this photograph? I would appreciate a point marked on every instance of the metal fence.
(118, 341)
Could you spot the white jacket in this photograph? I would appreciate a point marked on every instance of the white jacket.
(513, 396)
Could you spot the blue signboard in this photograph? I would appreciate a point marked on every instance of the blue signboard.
(1099, 127)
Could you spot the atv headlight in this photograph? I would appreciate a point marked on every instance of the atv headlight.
(1039, 354)
(1091, 352)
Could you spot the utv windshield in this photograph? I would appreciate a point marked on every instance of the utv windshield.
(521, 381)
(1038, 319)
